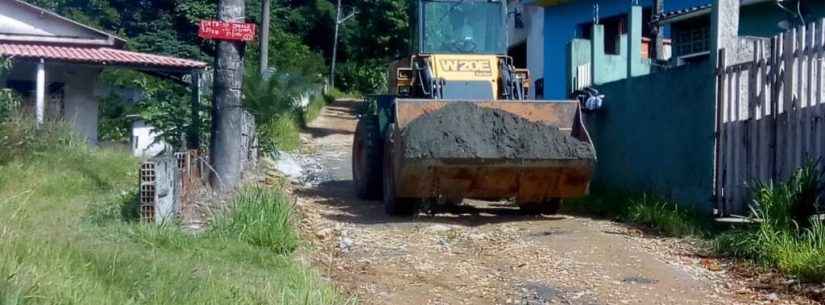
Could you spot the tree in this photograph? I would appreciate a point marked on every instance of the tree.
(227, 114)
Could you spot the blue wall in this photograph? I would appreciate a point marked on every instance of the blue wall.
(663, 144)
(560, 25)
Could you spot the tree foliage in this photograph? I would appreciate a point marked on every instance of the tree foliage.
(300, 46)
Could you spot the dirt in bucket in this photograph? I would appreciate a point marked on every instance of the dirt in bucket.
(463, 130)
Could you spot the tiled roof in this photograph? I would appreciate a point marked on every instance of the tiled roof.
(96, 55)
(705, 8)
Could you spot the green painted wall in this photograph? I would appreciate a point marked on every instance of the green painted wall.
(605, 67)
(762, 19)
(578, 53)
(655, 134)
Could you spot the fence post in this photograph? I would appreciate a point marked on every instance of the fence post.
(720, 100)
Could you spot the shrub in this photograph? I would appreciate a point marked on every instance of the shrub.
(20, 138)
(313, 110)
(280, 133)
(368, 77)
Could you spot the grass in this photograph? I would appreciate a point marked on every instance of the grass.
(313, 110)
(281, 132)
(661, 216)
(784, 237)
(68, 236)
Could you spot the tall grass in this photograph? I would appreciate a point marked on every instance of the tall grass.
(665, 217)
(280, 132)
(786, 237)
(261, 218)
(313, 110)
(65, 239)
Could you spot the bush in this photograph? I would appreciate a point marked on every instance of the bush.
(362, 77)
(313, 110)
(281, 132)
(260, 217)
(273, 102)
(20, 138)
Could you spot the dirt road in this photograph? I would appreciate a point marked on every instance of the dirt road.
(495, 257)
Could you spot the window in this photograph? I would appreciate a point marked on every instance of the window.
(464, 27)
(692, 40)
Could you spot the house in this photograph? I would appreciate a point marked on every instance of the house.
(56, 63)
(657, 132)
(574, 19)
(526, 45)
(690, 27)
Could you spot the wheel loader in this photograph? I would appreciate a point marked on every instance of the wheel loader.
(459, 55)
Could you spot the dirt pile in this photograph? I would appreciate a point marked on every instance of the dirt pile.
(467, 131)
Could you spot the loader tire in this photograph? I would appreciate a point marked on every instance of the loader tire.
(366, 159)
(549, 207)
(393, 205)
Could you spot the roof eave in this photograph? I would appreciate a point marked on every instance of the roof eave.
(112, 38)
(687, 16)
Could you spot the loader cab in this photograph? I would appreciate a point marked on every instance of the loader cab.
(459, 52)
(459, 27)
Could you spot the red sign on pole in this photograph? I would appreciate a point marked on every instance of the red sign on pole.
(232, 31)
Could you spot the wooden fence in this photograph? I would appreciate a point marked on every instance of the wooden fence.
(769, 113)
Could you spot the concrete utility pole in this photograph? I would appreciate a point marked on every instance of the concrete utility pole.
(225, 149)
(659, 51)
(265, 13)
(338, 22)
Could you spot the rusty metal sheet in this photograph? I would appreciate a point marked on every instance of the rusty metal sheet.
(526, 181)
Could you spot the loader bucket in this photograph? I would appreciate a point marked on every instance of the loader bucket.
(524, 180)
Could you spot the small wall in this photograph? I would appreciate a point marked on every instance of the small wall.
(655, 134)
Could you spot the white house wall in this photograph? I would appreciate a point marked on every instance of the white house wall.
(16, 20)
(143, 140)
(80, 102)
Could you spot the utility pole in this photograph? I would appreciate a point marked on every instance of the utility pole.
(265, 12)
(338, 22)
(659, 51)
(225, 149)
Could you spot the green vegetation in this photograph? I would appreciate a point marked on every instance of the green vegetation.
(300, 44)
(783, 237)
(665, 217)
(68, 235)
(658, 215)
(313, 110)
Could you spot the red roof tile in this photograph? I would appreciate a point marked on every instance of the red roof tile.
(96, 55)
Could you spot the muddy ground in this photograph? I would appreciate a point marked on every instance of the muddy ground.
(495, 257)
